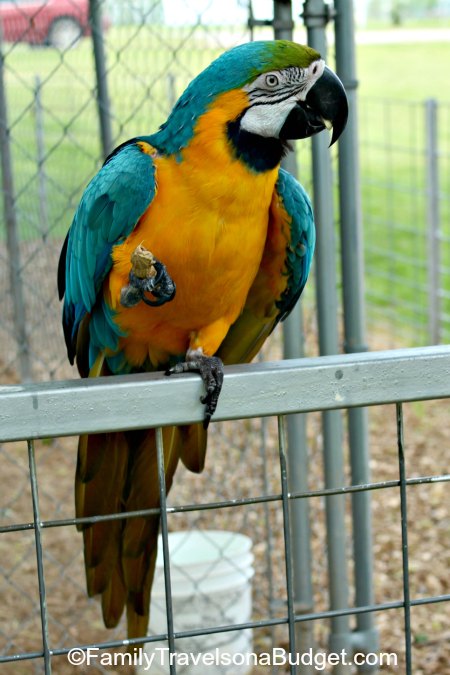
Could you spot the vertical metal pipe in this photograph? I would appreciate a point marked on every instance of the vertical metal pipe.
(40, 156)
(268, 528)
(283, 29)
(366, 636)
(103, 103)
(433, 219)
(316, 15)
(404, 521)
(12, 234)
(287, 531)
(165, 544)
(299, 508)
(251, 19)
(39, 558)
(296, 429)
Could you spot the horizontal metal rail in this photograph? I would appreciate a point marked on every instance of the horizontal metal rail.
(226, 504)
(72, 407)
(262, 623)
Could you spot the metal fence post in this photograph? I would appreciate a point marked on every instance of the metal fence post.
(40, 156)
(433, 218)
(297, 449)
(366, 636)
(103, 102)
(12, 235)
(316, 15)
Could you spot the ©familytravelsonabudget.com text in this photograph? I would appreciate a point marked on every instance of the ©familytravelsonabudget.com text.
(161, 656)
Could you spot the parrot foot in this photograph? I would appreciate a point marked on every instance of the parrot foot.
(210, 369)
(147, 275)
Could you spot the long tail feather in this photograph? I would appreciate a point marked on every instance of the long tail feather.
(140, 535)
(114, 598)
(193, 447)
(119, 473)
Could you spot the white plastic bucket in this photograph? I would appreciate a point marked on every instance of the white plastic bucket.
(211, 573)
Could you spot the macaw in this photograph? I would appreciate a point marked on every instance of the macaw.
(230, 237)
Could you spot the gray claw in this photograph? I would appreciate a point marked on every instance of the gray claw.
(210, 369)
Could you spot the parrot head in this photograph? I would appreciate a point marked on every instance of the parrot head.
(288, 93)
(295, 95)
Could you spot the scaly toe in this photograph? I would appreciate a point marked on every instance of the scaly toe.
(210, 369)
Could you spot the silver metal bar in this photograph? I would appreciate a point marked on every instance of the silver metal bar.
(71, 407)
(283, 29)
(297, 455)
(433, 219)
(365, 638)
(267, 527)
(297, 451)
(39, 558)
(103, 102)
(404, 526)
(316, 18)
(396, 604)
(287, 540)
(12, 232)
(40, 157)
(165, 544)
(231, 503)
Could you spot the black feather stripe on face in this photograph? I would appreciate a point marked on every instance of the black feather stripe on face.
(263, 97)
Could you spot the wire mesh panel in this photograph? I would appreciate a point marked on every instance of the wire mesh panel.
(405, 207)
(44, 601)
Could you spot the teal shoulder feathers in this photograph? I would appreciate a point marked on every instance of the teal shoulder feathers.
(111, 206)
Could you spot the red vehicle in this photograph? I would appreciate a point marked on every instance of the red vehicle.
(59, 23)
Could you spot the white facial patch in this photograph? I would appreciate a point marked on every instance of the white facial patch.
(272, 96)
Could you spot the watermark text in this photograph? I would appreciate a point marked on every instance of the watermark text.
(278, 656)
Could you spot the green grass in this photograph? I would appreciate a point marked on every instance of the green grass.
(409, 23)
(411, 72)
(148, 69)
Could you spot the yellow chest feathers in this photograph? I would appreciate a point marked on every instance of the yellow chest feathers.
(209, 176)
(208, 220)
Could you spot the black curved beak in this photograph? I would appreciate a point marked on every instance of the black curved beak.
(325, 104)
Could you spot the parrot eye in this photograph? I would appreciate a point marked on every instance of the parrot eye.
(272, 80)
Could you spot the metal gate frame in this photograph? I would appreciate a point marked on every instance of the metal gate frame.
(33, 411)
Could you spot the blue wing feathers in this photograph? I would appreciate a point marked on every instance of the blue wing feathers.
(109, 210)
(303, 237)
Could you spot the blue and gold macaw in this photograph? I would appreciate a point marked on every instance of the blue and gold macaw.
(186, 250)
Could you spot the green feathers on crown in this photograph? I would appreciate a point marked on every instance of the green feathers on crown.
(280, 54)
